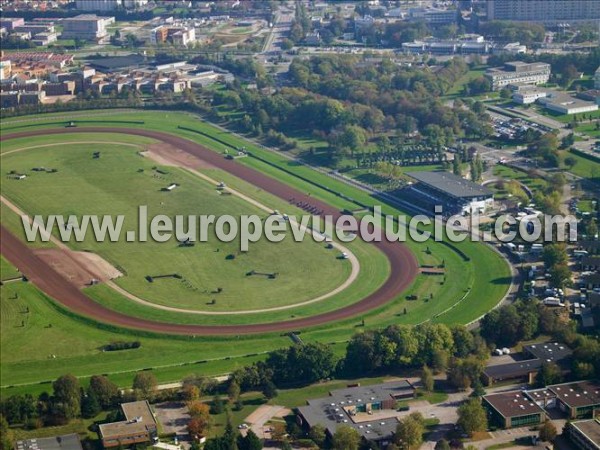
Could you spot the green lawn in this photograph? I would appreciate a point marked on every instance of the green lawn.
(120, 180)
(473, 286)
(585, 167)
(7, 270)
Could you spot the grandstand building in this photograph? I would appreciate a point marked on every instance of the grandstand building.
(455, 194)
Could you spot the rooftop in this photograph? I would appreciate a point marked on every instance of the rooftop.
(451, 184)
(578, 394)
(589, 428)
(512, 404)
(339, 409)
(549, 352)
(138, 419)
(66, 442)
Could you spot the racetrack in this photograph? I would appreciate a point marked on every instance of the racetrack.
(403, 264)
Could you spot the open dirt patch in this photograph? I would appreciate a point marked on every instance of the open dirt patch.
(78, 267)
(167, 155)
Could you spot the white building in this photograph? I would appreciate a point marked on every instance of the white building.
(518, 72)
(563, 103)
(528, 96)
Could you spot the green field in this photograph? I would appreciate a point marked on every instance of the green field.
(471, 289)
(120, 180)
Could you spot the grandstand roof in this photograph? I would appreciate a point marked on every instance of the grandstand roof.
(451, 184)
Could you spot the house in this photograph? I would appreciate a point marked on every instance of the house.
(138, 427)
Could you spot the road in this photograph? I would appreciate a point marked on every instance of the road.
(282, 24)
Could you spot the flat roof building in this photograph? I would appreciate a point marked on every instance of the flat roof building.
(585, 434)
(518, 72)
(371, 410)
(453, 191)
(543, 10)
(87, 27)
(65, 442)
(534, 356)
(139, 426)
(578, 399)
(563, 103)
(513, 409)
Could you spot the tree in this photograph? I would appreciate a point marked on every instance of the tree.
(548, 431)
(442, 444)
(197, 427)
(249, 442)
(345, 438)
(105, 390)
(456, 165)
(409, 432)
(233, 391)
(549, 374)
(427, 379)
(560, 275)
(90, 406)
(269, 390)
(191, 392)
(318, 435)
(472, 417)
(67, 396)
(6, 435)
(145, 384)
(217, 405)
(230, 434)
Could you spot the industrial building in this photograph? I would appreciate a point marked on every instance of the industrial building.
(518, 72)
(370, 410)
(138, 427)
(543, 10)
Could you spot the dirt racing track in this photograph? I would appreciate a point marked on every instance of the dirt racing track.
(404, 267)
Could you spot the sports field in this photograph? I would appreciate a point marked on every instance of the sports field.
(119, 181)
(471, 286)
